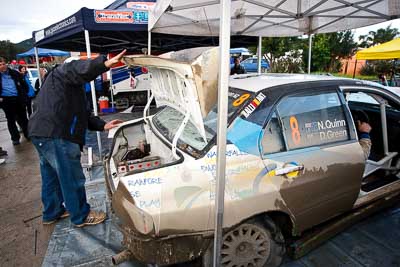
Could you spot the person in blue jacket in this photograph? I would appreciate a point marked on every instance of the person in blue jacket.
(31, 91)
(13, 97)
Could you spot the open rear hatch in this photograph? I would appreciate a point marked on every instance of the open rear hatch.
(184, 80)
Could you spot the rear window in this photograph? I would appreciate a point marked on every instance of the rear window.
(169, 119)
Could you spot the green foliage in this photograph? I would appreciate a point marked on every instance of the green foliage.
(381, 36)
(368, 69)
(276, 47)
(291, 62)
(375, 67)
(328, 49)
(9, 50)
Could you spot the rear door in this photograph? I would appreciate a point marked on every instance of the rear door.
(311, 154)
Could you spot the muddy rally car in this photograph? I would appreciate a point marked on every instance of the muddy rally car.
(294, 160)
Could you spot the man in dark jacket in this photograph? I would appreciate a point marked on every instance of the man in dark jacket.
(13, 98)
(237, 67)
(57, 128)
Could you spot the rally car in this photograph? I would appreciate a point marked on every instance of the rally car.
(293, 160)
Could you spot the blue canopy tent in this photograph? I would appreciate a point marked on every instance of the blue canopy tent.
(114, 30)
(43, 52)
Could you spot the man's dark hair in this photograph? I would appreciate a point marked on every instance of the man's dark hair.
(2, 59)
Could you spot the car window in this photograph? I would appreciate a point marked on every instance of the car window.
(34, 73)
(305, 120)
(361, 98)
(313, 119)
(272, 140)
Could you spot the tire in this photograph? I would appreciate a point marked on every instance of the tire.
(249, 244)
(263, 70)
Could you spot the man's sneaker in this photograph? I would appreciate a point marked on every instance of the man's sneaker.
(64, 215)
(16, 142)
(93, 218)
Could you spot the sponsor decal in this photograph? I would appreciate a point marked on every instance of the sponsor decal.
(140, 5)
(39, 35)
(141, 17)
(233, 95)
(61, 25)
(113, 16)
(253, 105)
(326, 130)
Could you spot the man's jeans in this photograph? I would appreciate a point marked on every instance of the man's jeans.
(63, 180)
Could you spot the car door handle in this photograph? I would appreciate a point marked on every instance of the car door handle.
(288, 169)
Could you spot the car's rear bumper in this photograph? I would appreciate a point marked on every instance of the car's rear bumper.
(141, 239)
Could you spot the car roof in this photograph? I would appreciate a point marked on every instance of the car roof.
(257, 82)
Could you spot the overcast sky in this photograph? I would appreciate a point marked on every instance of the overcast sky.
(20, 17)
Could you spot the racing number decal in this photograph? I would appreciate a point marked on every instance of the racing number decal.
(240, 100)
(294, 126)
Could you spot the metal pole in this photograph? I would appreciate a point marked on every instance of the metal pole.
(355, 67)
(223, 81)
(149, 43)
(309, 52)
(112, 90)
(384, 129)
(259, 53)
(92, 88)
(38, 66)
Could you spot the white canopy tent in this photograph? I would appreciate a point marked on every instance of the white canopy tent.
(273, 18)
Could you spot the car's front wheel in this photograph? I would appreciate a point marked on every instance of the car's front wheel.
(249, 244)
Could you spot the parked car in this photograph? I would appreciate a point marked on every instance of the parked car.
(293, 160)
(251, 64)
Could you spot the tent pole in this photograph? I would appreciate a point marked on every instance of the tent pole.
(309, 52)
(112, 90)
(355, 67)
(149, 43)
(38, 66)
(259, 53)
(92, 88)
(148, 53)
(223, 80)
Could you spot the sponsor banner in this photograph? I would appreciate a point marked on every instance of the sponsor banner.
(60, 26)
(39, 35)
(113, 16)
(140, 5)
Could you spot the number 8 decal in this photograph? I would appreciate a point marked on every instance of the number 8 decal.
(294, 125)
(240, 100)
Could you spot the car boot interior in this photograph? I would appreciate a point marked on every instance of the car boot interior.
(137, 149)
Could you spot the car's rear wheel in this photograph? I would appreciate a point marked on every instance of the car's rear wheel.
(249, 244)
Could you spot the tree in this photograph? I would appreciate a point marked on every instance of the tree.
(381, 36)
(328, 49)
(9, 50)
(276, 47)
